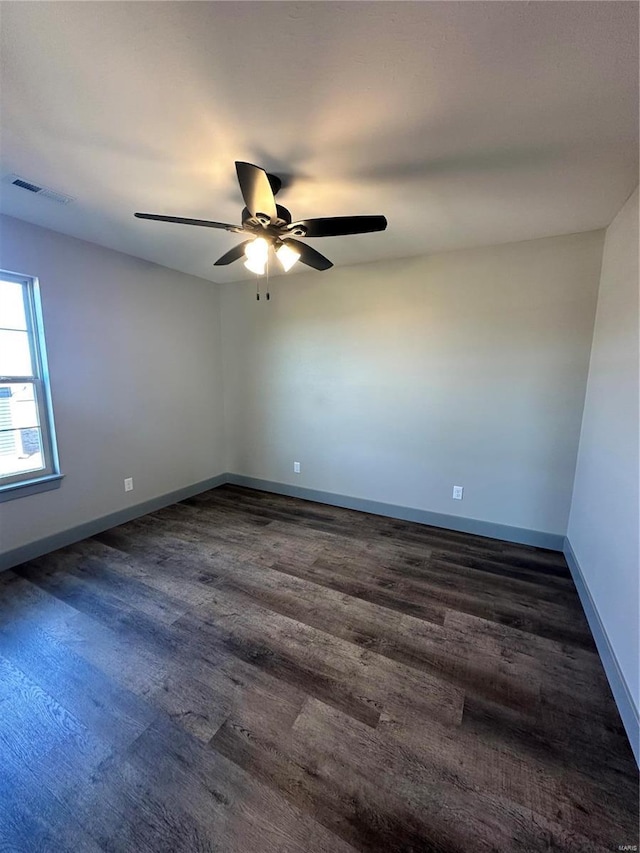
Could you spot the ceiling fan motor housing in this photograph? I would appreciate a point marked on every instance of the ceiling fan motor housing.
(283, 217)
(281, 228)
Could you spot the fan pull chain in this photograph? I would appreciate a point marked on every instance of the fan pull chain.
(268, 294)
(258, 288)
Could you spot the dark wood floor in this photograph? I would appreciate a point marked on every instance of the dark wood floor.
(247, 672)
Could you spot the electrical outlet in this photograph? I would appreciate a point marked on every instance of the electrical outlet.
(457, 493)
(128, 484)
(296, 467)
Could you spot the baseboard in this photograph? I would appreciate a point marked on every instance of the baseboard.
(521, 535)
(617, 682)
(98, 525)
(505, 532)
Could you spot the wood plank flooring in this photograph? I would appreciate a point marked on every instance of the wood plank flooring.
(247, 672)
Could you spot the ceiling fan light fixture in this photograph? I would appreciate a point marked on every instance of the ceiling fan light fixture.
(266, 224)
(287, 256)
(257, 253)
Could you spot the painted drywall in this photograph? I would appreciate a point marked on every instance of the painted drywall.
(603, 525)
(135, 362)
(393, 382)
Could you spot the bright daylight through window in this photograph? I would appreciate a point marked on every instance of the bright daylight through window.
(27, 450)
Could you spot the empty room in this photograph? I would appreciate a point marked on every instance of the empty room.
(319, 427)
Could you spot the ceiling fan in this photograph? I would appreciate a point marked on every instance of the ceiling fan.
(268, 225)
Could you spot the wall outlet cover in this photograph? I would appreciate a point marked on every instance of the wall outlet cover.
(128, 484)
(457, 493)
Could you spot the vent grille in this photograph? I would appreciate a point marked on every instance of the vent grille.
(52, 195)
(26, 186)
(43, 192)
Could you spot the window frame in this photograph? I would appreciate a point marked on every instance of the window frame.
(49, 476)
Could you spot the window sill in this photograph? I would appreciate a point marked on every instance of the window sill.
(30, 487)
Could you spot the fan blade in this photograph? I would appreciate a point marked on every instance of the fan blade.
(275, 183)
(256, 190)
(336, 226)
(182, 221)
(232, 255)
(309, 256)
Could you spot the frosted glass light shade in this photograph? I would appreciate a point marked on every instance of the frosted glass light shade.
(257, 253)
(287, 256)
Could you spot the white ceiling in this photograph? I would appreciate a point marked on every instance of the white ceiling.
(465, 123)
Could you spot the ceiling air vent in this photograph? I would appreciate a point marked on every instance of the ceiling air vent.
(25, 186)
(36, 189)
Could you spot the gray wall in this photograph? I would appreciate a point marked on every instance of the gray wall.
(389, 382)
(603, 526)
(395, 381)
(135, 361)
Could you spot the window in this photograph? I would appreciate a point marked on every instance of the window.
(28, 455)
